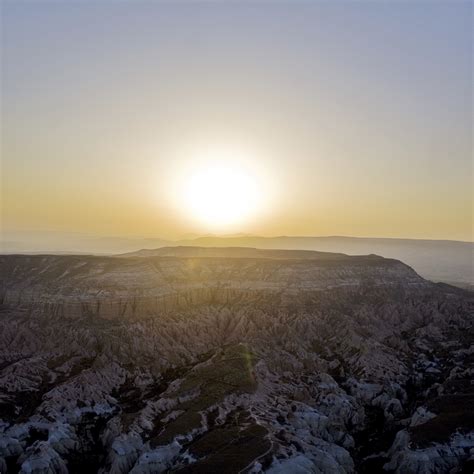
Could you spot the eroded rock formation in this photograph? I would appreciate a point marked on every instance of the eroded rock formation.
(232, 361)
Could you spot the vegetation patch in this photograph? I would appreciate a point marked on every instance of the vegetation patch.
(230, 371)
(228, 448)
(454, 413)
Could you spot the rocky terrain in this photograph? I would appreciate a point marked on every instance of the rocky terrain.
(197, 360)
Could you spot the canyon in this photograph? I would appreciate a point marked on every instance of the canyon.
(232, 360)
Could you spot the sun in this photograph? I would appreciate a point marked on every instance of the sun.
(221, 195)
(218, 188)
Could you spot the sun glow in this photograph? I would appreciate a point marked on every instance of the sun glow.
(221, 195)
(220, 189)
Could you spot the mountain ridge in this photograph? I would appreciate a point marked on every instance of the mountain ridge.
(437, 260)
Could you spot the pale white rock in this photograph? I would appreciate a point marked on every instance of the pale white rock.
(296, 465)
(435, 458)
(9, 446)
(158, 460)
(41, 458)
(123, 454)
(421, 415)
(62, 438)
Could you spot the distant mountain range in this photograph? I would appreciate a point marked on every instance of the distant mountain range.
(437, 260)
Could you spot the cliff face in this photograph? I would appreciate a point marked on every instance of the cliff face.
(269, 362)
(88, 279)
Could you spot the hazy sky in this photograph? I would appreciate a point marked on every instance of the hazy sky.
(356, 116)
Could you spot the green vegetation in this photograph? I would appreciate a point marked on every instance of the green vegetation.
(230, 371)
(229, 448)
(454, 413)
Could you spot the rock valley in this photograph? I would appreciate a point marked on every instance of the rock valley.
(201, 360)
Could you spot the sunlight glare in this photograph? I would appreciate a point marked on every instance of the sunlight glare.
(221, 195)
(220, 190)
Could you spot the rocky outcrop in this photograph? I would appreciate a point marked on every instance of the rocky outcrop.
(278, 362)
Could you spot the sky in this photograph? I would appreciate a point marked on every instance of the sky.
(351, 118)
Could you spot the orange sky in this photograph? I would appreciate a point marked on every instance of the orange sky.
(351, 120)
